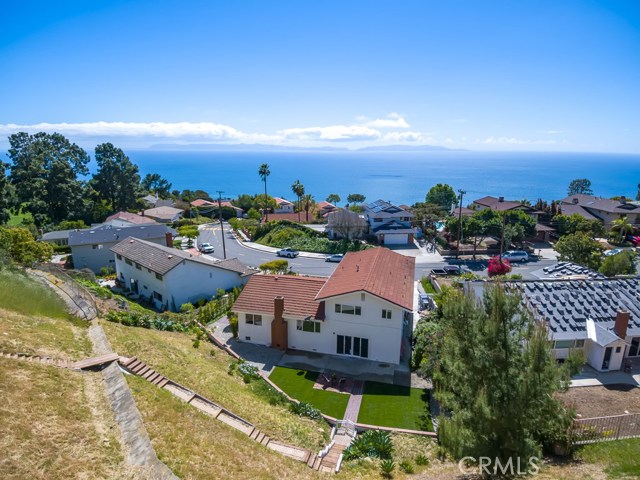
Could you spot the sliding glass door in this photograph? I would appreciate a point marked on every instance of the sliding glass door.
(356, 346)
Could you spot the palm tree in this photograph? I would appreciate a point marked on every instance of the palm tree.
(264, 173)
(298, 190)
(623, 227)
(307, 203)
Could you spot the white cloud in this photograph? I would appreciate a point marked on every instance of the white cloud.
(554, 132)
(404, 137)
(516, 141)
(331, 133)
(393, 120)
(184, 130)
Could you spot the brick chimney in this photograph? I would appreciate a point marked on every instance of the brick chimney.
(500, 199)
(622, 322)
(168, 238)
(279, 333)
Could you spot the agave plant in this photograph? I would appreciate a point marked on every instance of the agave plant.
(386, 468)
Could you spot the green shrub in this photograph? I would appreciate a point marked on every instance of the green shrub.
(372, 443)
(386, 468)
(426, 285)
(406, 466)
(264, 390)
(422, 460)
(233, 324)
(305, 409)
(275, 266)
(248, 372)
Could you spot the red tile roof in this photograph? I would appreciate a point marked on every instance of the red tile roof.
(131, 218)
(203, 203)
(378, 271)
(299, 295)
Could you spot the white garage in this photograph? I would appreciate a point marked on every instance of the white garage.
(396, 239)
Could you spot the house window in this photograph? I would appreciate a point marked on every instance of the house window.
(386, 313)
(362, 297)
(618, 349)
(157, 296)
(348, 309)
(248, 339)
(308, 326)
(251, 319)
(138, 266)
(563, 344)
(119, 256)
(158, 276)
(579, 343)
(127, 261)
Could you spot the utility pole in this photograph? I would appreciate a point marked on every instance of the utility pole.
(224, 249)
(504, 219)
(461, 192)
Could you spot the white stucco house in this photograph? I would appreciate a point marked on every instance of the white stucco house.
(283, 206)
(599, 317)
(389, 223)
(364, 310)
(170, 277)
(91, 247)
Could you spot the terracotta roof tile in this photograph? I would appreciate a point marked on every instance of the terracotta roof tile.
(131, 218)
(378, 271)
(299, 295)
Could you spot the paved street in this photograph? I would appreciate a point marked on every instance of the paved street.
(254, 258)
(318, 267)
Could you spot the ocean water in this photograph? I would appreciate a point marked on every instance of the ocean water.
(402, 177)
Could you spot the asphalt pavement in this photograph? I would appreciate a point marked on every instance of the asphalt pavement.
(318, 267)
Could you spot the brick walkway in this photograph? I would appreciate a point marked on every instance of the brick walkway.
(353, 407)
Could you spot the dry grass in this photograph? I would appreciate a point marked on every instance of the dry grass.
(173, 355)
(57, 337)
(196, 446)
(47, 429)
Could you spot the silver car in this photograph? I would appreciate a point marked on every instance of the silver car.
(516, 256)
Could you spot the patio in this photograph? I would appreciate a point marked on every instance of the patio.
(590, 377)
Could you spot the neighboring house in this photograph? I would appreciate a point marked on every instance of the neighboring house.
(90, 247)
(389, 223)
(58, 237)
(344, 223)
(499, 204)
(127, 219)
(283, 206)
(208, 206)
(364, 310)
(203, 203)
(153, 201)
(600, 317)
(170, 278)
(325, 208)
(603, 209)
(164, 214)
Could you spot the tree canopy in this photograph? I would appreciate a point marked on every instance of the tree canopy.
(5, 195)
(22, 248)
(356, 198)
(442, 195)
(622, 263)
(154, 183)
(497, 378)
(333, 198)
(568, 224)
(580, 248)
(44, 172)
(117, 180)
(580, 186)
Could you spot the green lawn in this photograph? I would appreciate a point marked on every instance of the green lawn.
(395, 406)
(299, 385)
(16, 220)
(620, 457)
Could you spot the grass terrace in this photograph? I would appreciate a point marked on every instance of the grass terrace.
(299, 385)
(395, 406)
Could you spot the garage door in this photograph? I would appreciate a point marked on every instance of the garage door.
(396, 238)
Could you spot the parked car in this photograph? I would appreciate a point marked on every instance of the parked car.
(615, 251)
(516, 256)
(447, 270)
(288, 252)
(337, 258)
(206, 248)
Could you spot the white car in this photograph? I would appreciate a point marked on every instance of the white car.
(206, 248)
(516, 256)
(336, 258)
(615, 251)
(288, 252)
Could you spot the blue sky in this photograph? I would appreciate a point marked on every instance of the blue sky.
(483, 75)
